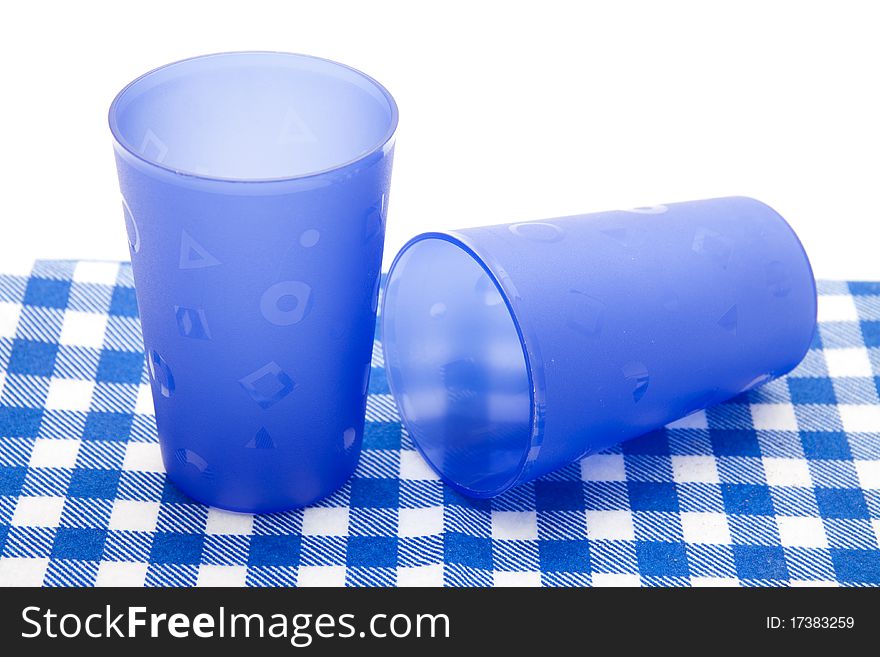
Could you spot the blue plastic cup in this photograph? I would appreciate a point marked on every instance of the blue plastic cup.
(513, 350)
(254, 190)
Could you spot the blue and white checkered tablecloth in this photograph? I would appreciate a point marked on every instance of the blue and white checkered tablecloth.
(777, 487)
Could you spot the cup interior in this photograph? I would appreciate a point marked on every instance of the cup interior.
(456, 366)
(253, 116)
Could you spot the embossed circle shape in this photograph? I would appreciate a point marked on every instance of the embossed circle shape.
(286, 303)
(537, 231)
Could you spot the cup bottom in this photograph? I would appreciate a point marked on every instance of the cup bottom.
(228, 498)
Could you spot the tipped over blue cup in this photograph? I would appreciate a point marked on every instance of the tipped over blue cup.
(255, 187)
(513, 350)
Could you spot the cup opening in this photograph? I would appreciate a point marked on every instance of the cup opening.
(253, 116)
(457, 365)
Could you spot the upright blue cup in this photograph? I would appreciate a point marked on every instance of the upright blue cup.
(512, 350)
(254, 188)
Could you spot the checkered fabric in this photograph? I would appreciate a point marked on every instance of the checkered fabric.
(780, 486)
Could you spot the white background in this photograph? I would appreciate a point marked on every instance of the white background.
(508, 112)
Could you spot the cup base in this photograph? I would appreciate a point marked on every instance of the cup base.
(200, 494)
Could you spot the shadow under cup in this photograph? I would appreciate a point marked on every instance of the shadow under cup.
(255, 189)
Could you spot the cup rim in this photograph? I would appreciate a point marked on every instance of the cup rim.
(534, 370)
(379, 146)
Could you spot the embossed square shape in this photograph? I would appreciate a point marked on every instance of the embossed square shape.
(267, 385)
